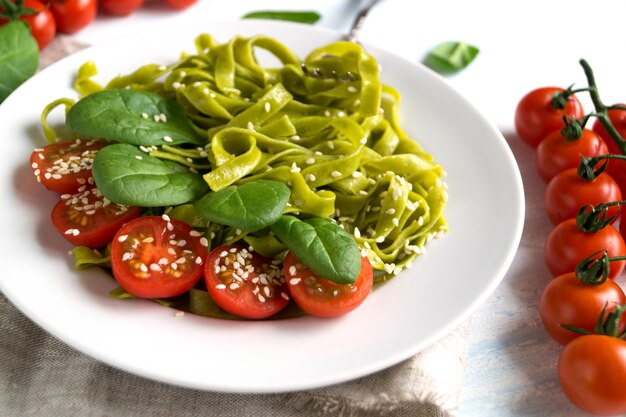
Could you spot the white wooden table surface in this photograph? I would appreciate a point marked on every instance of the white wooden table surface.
(511, 369)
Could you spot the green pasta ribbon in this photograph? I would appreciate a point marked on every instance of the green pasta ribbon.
(326, 126)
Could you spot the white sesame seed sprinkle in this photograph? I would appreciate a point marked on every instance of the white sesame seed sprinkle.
(220, 286)
(268, 107)
(204, 242)
(167, 139)
(336, 174)
(294, 281)
(122, 238)
(390, 211)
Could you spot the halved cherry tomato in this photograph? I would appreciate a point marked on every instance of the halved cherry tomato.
(42, 24)
(567, 193)
(321, 297)
(73, 15)
(567, 245)
(536, 117)
(87, 218)
(157, 257)
(615, 168)
(566, 300)
(180, 4)
(120, 7)
(592, 373)
(65, 166)
(556, 153)
(244, 283)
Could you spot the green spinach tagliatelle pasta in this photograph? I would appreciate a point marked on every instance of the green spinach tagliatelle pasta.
(326, 127)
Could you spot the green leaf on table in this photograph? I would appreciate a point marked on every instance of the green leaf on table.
(19, 56)
(126, 175)
(321, 245)
(308, 17)
(250, 207)
(135, 117)
(451, 57)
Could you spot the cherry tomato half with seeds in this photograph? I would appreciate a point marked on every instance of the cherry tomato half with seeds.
(73, 15)
(157, 257)
(87, 218)
(65, 166)
(120, 7)
(592, 373)
(321, 297)
(42, 24)
(615, 168)
(244, 283)
(556, 153)
(567, 245)
(536, 117)
(566, 300)
(567, 193)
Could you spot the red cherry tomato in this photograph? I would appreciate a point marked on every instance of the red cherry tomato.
(567, 193)
(73, 15)
(180, 4)
(615, 168)
(244, 283)
(120, 7)
(592, 373)
(42, 24)
(65, 166)
(567, 245)
(536, 118)
(87, 218)
(556, 153)
(566, 300)
(321, 297)
(157, 257)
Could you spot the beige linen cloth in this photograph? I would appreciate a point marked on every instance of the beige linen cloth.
(41, 376)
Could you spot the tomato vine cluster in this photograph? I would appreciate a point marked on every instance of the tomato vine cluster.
(580, 157)
(47, 17)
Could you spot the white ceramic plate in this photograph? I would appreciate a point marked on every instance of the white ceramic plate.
(457, 273)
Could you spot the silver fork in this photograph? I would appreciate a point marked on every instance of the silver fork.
(357, 24)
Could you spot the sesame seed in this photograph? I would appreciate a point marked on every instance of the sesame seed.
(138, 157)
(310, 177)
(181, 243)
(336, 174)
(171, 251)
(292, 270)
(197, 84)
(155, 267)
(352, 89)
(167, 139)
(198, 260)
(395, 221)
(363, 140)
(166, 217)
(126, 256)
(310, 161)
(268, 107)
(204, 242)
(363, 192)
(294, 281)
(357, 232)
(390, 211)
(261, 298)
(284, 295)
(179, 314)
(250, 126)
(327, 113)
(295, 137)
(144, 115)
(220, 286)
(294, 167)
(149, 239)
(380, 239)
(163, 117)
(195, 233)
(205, 91)
(234, 285)
(163, 261)
(176, 84)
(330, 144)
(143, 267)
(122, 238)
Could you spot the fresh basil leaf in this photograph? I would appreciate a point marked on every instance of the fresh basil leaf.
(252, 206)
(308, 17)
(126, 175)
(321, 245)
(451, 57)
(19, 56)
(135, 117)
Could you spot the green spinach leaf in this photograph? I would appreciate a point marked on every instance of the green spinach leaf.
(308, 17)
(252, 206)
(126, 175)
(19, 56)
(135, 117)
(321, 245)
(451, 57)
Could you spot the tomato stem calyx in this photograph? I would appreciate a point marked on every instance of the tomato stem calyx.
(13, 11)
(602, 109)
(588, 169)
(608, 324)
(592, 219)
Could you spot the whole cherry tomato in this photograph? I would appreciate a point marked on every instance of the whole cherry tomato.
(592, 373)
(73, 15)
(541, 111)
(42, 24)
(120, 7)
(615, 168)
(567, 192)
(567, 245)
(180, 4)
(567, 300)
(557, 153)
